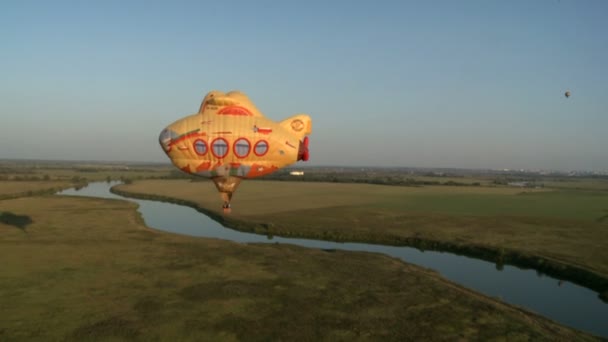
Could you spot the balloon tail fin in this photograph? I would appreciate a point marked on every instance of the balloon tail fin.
(303, 153)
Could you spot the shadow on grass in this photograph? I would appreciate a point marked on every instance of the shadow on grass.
(603, 218)
(111, 327)
(18, 221)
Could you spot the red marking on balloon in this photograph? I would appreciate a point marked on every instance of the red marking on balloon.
(265, 130)
(234, 110)
(204, 166)
(185, 136)
(260, 170)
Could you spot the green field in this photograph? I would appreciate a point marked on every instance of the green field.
(82, 268)
(582, 184)
(47, 171)
(9, 189)
(103, 174)
(566, 226)
(75, 268)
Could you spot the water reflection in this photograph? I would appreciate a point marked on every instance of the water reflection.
(561, 301)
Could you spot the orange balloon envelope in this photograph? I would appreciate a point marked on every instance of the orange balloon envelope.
(229, 139)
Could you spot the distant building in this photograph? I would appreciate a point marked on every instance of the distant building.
(297, 173)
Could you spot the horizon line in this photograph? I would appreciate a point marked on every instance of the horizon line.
(505, 169)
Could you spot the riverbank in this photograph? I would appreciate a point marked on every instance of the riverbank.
(568, 248)
(88, 268)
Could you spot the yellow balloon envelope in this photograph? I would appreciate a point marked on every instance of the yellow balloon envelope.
(229, 139)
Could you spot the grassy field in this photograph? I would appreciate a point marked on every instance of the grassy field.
(102, 175)
(90, 174)
(82, 268)
(567, 226)
(582, 183)
(78, 171)
(9, 189)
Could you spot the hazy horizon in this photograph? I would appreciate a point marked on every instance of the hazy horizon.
(298, 165)
(473, 84)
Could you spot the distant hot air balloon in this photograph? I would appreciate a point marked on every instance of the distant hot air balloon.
(567, 94)
(229, 140)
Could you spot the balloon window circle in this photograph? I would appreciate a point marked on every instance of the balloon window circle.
(260, 148)
(219, 147)
(242, 147)
(200, 147)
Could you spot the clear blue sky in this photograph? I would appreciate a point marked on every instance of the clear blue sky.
(473, 84)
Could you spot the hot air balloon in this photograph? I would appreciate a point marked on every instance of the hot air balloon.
(229, 140)
(567, 94)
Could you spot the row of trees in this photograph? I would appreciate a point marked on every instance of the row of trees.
(373, 178)
(21, 178)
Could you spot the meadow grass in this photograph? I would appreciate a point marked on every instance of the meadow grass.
(566, 226)
(88, 269)
(11, 189)
(90, 173)
(578, 183)
(102, 174)
(444, 179)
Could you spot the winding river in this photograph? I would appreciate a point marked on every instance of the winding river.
(562, 301)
